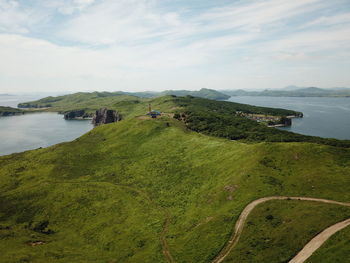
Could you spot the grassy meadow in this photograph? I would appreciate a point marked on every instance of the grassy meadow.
(106, 196)
(335, 250)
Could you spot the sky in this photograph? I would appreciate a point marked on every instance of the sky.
(138, 45)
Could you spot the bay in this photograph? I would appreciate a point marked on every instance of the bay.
(324, 117)
(33, 130)
(30, 131)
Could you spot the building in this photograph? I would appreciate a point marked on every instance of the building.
(154, 113)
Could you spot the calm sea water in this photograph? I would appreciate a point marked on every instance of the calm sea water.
(31, 131)
(324, 117)
(13, 100)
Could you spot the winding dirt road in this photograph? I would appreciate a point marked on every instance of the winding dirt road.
(318, 240)
(306, 252)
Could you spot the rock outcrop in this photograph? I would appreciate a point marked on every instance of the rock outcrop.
(78, 114)
(104, 116)
(8, 111)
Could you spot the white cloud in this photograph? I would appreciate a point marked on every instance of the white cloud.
(134, 21)
(110, 22)
(339, 19)
(143, 44)
(12, 19)
(71, 6)
(255, 15)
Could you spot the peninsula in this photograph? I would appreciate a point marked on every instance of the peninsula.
(171, 188)
(9, 111)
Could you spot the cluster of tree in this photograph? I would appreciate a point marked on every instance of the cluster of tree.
(219, 119)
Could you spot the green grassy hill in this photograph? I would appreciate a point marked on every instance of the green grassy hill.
(202, 93)
(217, 118)
(116, 193)
(91, 101)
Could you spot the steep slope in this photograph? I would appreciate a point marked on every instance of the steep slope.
(117, 192)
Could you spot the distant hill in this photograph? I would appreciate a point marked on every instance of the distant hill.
(203, 93)
(293, 91)
(89, 100)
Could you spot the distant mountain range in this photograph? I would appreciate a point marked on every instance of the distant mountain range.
(202, 93)
(293, 91)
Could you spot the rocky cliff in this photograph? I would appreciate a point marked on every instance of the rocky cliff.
(104, 116)
(8, 111)
(78, 114)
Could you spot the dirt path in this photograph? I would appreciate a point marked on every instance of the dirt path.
(307, 251)
(318, 241)
(304, 254)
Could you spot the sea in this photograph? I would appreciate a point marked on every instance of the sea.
(324, 117)
(31, 131)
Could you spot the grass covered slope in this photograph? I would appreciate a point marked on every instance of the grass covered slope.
(335, 250)
(267, 221)
(202, 93)
(95, 100)
(106, 196)
(79, 101)
(216, 118)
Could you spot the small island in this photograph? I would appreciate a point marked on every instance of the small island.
(9, 111)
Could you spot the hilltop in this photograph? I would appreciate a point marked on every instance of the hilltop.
(93, 100)
(202, 93)
(171, 189)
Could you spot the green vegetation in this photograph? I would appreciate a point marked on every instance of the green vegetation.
(216, 118)
(267, 221)
(335, 250)
(202, 93)
(89, 102)
(8, 111)
(105, 197)
(220, 119)
(113, 194)
(94, 100)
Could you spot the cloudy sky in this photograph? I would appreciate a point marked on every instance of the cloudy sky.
(79, 45)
